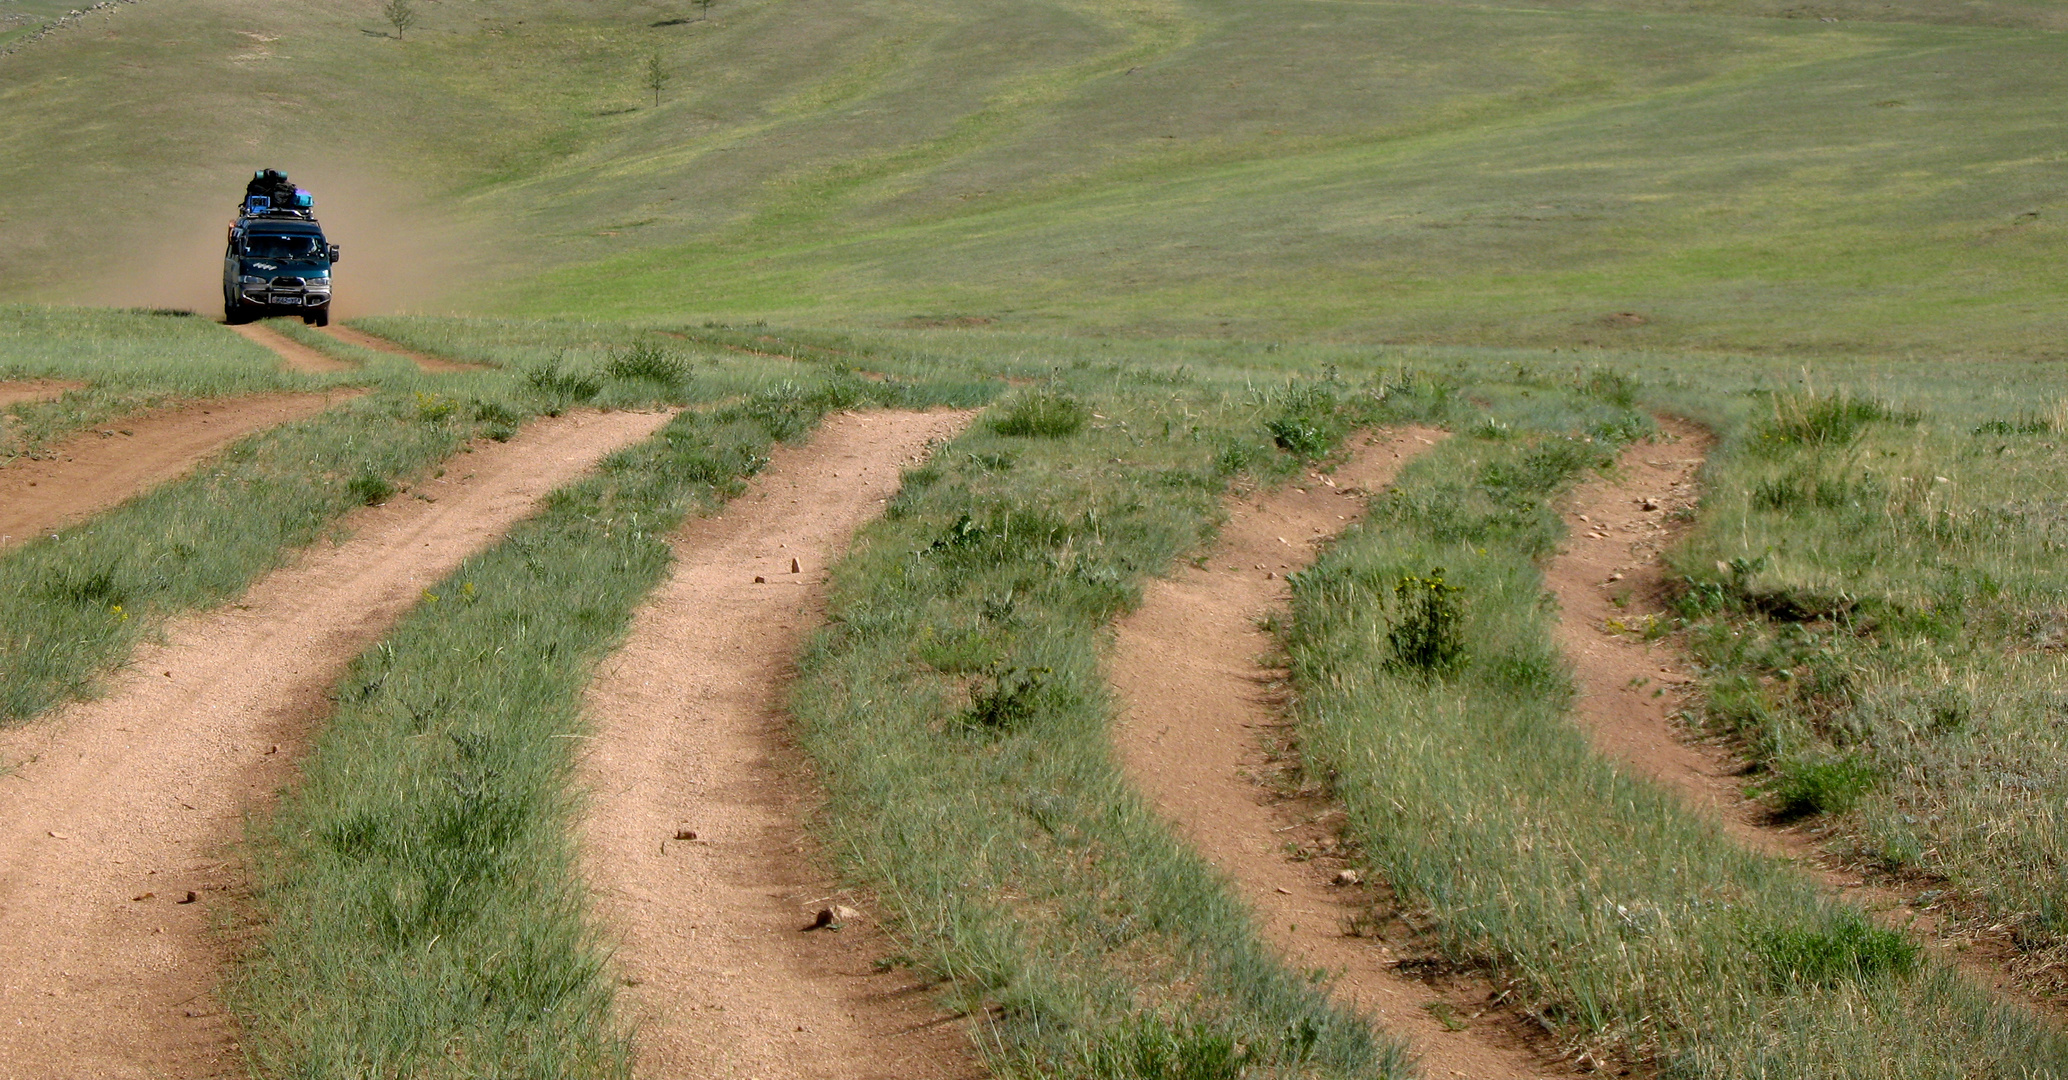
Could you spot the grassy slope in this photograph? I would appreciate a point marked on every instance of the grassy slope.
(1414, 172)
(1411, 172)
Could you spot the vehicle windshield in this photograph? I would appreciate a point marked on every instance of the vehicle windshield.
(299, 246)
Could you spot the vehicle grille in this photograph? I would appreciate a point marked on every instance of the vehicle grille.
(287, 283)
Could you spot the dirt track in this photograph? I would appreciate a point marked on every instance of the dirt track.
(297, 356)
(12, 393)
(423, 360)
(95, 470)
(1185, 665)
(690, 737)
(1629, 689)
(1607, 578)
(116, 810)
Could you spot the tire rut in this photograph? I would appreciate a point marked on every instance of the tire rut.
(690, 738)
(380, 344)
(98, 469)
(1185, 668)
(297, 356)
(1608, 578)
(120, 818)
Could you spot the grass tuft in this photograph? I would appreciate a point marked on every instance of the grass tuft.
(1848, 949)
(1008, 699)
(1808, 418)
(650, 362)
(369, 489)
(562, 386)
(1043, 415)
(1803, 788)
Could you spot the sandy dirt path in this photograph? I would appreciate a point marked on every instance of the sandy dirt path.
(18, 391)
(117, 816)
(1607, 579)
(1186, 666)
(297, 356)
(720, 977)
(423, 360)
(100, 468)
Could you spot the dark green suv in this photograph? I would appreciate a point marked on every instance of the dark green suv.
(278, 263)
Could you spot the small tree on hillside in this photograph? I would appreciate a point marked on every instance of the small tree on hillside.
(401, 14)
(656, 76)
(703, 9)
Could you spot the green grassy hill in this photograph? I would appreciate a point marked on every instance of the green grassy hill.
(1850, 177)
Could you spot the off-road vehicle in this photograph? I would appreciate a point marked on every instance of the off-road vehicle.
(278, 263)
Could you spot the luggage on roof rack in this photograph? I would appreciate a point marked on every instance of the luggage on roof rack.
(259, 206)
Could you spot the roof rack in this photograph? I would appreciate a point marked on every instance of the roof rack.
(267, 212)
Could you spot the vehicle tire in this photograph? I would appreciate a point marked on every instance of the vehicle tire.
(321, 317)
(234, 313)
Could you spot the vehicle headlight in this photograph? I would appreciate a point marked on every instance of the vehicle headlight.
(316, 282)
(249, 280)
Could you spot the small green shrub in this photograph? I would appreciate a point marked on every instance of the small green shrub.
(648, 361)
(89, 586)
(495, 412)
(1491, 430)
(1611, 386)
(563, 384)
(498, 421)
(1696, 599)
(1309, 420)
(1154, 1048)
(1233, 457)
(1011, 697)
(1802, 788)
(1847, 950)
(369, 488)
(1803, 490)
(1544, 466)
(1428, 632)
(1045, 415)
(1812, 419)
(1298, 435)
(431, 408)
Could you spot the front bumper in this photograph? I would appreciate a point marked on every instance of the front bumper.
(264, 297)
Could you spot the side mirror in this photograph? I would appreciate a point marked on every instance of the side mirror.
(333, 253)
